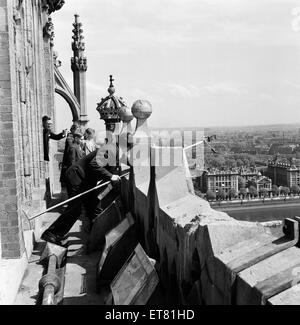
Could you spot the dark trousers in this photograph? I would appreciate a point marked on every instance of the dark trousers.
(93, 206)
(68, 218)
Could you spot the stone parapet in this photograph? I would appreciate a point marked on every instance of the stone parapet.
(206, 257)
(196, 246)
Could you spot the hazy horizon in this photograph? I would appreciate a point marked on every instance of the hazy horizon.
(209, 62)
(231, 126)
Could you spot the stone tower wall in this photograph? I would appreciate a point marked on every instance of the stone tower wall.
(26, 95)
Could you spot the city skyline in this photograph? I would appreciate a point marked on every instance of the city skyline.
(200, 63)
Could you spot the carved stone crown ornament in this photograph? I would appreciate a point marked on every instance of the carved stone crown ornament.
(109, 108)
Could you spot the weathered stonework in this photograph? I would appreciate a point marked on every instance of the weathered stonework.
(26, 95)
(206, 257)
(49, 31)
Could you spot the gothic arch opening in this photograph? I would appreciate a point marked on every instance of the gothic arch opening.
(70, 102)
(62, 88)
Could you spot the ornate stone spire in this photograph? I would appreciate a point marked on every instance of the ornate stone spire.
(79, 68)
(79, 61)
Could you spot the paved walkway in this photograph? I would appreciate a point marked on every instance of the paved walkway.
(28, 291)
(80, 277)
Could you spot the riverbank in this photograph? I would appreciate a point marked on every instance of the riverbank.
(254, 203)
(262, 212)
(270, 213)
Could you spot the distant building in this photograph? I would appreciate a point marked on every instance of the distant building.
(216, 180)
(262, 149)
(282, 149)
(220, 180)
(249, 174)
(284, 174)
(264, 183)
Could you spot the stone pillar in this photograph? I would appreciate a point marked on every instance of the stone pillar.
(141, 143)
(79, 68)
(139, 159)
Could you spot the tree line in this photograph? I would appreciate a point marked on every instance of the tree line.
(250, 191)
(229, 161)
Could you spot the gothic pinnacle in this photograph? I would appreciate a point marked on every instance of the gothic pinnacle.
(79, 61)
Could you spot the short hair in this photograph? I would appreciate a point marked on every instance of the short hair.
(78, 130)
(90, 131)
(46, 119)
(78, 134)
(74, 128)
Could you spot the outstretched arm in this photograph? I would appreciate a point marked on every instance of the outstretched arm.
(99, 171)
(57, 137)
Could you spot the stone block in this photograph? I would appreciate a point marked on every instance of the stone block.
(224, 275)
(103, 224)
(136, 281)
(5, 75)
(249, 279)
(289, 297)
(170, 174)
(211, 295)
(142, 178)
(5, 108)
(120, 243)
(6, 117)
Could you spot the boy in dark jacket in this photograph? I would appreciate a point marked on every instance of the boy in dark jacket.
(48, 134)
(81, 176)
(75, 152)
(69, 143)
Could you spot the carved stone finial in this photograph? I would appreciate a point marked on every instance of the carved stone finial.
(111, 89)
(79, 61)
(57, 62)
(126, 115)
(141, 110)
(111, 79)
(49, 31)
(17, 16)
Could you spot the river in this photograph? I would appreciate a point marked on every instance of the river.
(263, 213)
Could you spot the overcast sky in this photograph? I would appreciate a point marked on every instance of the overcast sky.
(199, 62)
